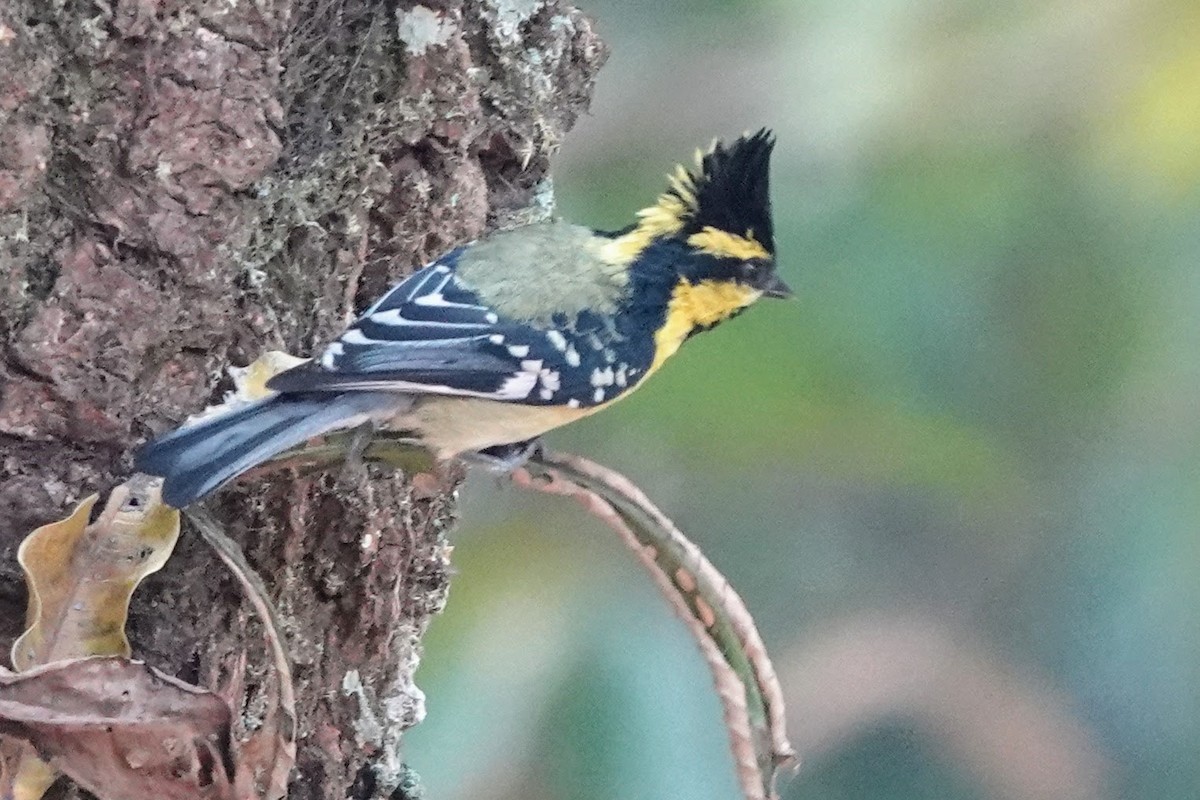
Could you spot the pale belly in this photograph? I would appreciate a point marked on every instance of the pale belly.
(454, 425)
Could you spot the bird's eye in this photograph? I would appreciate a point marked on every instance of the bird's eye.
(749, 270)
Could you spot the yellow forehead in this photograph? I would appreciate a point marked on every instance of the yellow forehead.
(723, 244)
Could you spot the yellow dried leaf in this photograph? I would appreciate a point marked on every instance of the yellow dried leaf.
(251, 380)
(32, 778)
(81, 577)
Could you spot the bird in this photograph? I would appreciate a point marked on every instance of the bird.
(483, 350)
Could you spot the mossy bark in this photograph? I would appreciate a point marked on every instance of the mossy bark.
(184, 185)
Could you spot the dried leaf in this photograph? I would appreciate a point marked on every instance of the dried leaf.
(118, 739)
(121, 729)
(80, 579)
(718, 619)
(251, 381)
(23, 776)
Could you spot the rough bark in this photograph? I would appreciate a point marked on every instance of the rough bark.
(183, 185)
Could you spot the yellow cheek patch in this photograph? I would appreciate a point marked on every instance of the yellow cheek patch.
(727, 245)
(698, 305)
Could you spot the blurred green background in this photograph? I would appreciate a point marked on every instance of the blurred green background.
(957, 480)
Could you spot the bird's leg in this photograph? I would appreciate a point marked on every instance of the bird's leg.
(354, 466)
(505, 457)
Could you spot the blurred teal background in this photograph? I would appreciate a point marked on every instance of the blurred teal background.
(957, 481)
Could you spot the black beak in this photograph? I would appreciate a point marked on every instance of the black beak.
(773, 286)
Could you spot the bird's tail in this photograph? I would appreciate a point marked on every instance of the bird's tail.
(199, 458)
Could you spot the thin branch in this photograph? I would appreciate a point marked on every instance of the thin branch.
(267, 758)
(718, 619)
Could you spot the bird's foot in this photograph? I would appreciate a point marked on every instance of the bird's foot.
(354, 468)
(505, 457)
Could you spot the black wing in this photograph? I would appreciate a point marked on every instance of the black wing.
(431, 334)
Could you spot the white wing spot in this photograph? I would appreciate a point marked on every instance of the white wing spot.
(547, 394)
(497, 338)
(332, 354)
(517, 387)
(557, 340)
(550, 379)
(355, 336)
(609, 356)
(573, 403)
(572, 355)
(532, 365)
(518, 350)
(620, 376)
(491, 317)
(598, 396)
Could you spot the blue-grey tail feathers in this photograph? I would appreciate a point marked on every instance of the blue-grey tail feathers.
(197, 459)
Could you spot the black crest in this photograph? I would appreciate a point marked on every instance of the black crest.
(730, 189)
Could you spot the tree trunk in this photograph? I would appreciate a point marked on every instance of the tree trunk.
(184, 185)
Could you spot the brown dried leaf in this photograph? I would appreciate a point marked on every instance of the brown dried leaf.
(121, 729)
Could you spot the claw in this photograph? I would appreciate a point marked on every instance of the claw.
(505, 457)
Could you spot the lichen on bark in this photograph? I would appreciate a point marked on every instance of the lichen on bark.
(184, 185)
